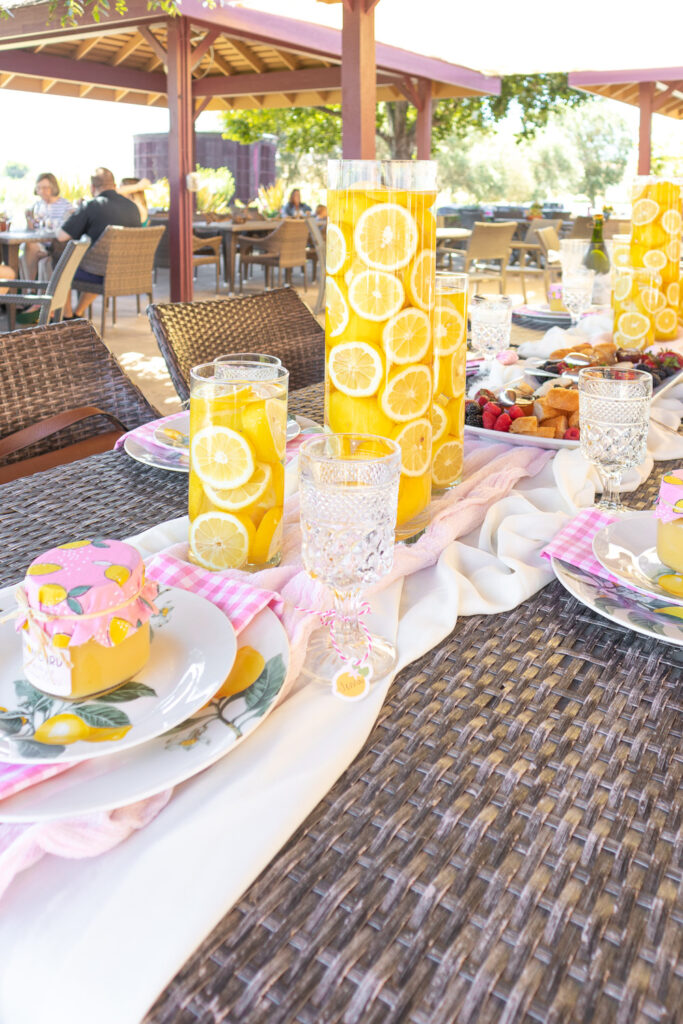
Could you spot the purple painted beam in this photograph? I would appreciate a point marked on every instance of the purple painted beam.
(86, 72)
(577, 79)
(306, 80)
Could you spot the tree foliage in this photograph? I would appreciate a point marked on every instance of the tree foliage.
(602, 144)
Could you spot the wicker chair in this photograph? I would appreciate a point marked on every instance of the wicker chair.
(545, 249)
(319, 246)
(284, 248)
(124, 257)
(49, 295)
(207, 251)
(489, 244)
(48, 370)
(276, 322)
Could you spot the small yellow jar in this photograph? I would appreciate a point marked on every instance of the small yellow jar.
(85, 623)
(669, 514)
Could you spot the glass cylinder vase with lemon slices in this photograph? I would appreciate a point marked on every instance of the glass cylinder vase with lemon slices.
(656, 244)
(450, 355)
(637, 299)
(238, 427)
(379, 321)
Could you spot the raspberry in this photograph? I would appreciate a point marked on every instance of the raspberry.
(503, 422)
(515, 412)
(489, 419)
(572, 434)
(493, 408)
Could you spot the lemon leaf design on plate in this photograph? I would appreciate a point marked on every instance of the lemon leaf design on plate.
(128, 691)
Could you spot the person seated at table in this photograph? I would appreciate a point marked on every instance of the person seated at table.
(321, 212)
(294, 207)
(134, 188)
(106, 207)
(50, 211)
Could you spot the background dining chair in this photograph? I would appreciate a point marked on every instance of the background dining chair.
(124, 257)
(49, 295)
(284, 248)
(276, 322)
(62, 396)
(582, 227)
(319, 245)
(545, 251)
(207, 252)
(488, 252)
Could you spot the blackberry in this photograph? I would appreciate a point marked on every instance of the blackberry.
(473, 414)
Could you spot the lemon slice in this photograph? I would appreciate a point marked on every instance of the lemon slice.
(673, 250)
(446, 463)
(265, 424)
(385, 237)
(449, 330)
(622, 288)
(375, 295)
(654, 259)
(633, 326)
(268, 540)
(336, 251)
(421, 280)
(240, 497)
(666, 321)
(673, 294)
(671, 222)
(652, 300)
(356, 368)
(415, 440)
(336, 308)
(644, 212)
(439, 421)
(221, 457)
(407, 394)
(221, 540)
(406, 336)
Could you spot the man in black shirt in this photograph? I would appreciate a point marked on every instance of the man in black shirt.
(106, 207)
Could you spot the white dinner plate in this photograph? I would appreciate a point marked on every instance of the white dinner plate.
(174, 434)
(628, 549)
(637, 612)
(503, 437)
(177, 460)
(192, 650)
(169, 759)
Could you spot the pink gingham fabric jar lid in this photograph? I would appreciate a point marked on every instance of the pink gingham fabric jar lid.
(88, 590)
(670, 501)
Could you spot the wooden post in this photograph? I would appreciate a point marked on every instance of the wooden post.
(359, 73)
(180, 147)
(647, 94)
(423, 129)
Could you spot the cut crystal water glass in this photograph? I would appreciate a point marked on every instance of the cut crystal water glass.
(491, 318)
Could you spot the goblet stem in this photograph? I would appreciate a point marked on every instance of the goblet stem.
(347, 631)
(611, 498)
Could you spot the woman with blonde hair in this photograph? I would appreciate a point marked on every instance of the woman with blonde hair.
(49, 211)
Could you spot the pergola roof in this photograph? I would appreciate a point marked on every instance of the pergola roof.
(241, 60)
(626, 86)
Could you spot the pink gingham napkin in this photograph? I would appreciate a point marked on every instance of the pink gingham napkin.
(15, 777)
(145, 432)
(574, 543)
(240, 601)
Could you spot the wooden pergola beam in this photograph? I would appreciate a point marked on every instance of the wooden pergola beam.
(289, 59)
(86, 45)
(202, 48)
(154, 44)
(126, 49)
(252, 59)
(662, 98)
(221, 63)
(304, 80)
(89, 73)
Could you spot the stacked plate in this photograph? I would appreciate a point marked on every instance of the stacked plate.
(646, 596)
(186, 709)
(166, 444)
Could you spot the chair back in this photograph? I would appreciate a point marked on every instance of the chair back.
(61, 366)
(582, 227)
(616, 227)
(549, 241)
(289, 241)
(59, 285)
(129, 266)
(320, 246)
(537, 225)
(490, 241)
(277, 322)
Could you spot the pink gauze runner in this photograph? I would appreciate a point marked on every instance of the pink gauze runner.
(490, 473)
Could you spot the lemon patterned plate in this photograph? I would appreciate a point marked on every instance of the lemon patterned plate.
(637, 612)
(193, 648)
(244, 701)
(628, 549)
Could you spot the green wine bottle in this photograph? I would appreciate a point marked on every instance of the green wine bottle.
(596, 257)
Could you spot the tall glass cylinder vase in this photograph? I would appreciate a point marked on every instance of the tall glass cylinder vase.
(656, 244)
(379, 322)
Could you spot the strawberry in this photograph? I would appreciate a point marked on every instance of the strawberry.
(482, 401)
(493, 408)
(489, 419)
(503, 422)
(572, 434)
(514, 412)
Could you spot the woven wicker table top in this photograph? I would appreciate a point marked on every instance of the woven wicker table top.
(506, 847)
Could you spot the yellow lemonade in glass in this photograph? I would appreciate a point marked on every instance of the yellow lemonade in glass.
(637, 300)
(238, 433)
(379, 322)
(656, 244)
(450, 354)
